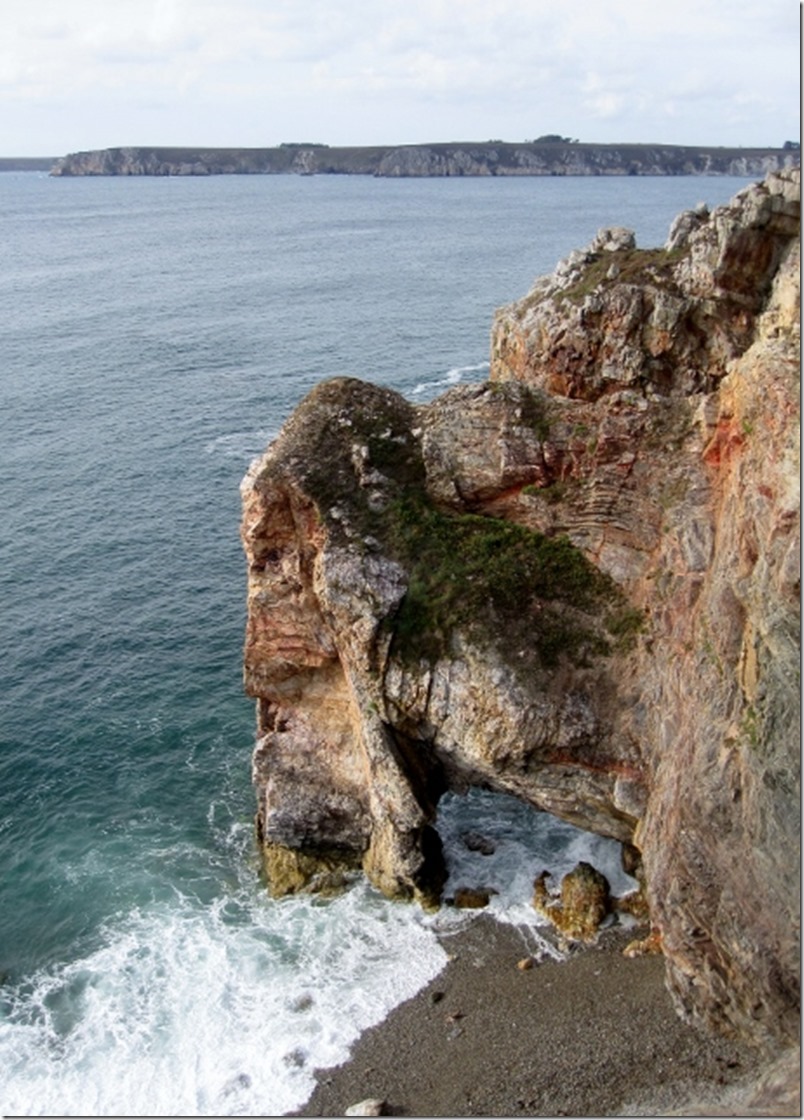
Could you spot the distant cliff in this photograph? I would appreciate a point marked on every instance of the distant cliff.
(577, 583)
(432, 160)
(27, 163)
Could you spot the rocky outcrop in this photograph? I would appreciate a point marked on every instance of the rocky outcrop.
(576, 584)
(582, 905)
(402, 645)
(428, 160)
(696, 350)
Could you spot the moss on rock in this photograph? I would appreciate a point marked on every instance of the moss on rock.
(290, 870)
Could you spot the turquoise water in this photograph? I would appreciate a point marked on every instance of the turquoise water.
(154, 334)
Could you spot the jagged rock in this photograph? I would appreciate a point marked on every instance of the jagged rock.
(644, 946)
(476, 842)
(291, 870)
(400, 648)
(471, 898)
(666, 321)
(684, 225)
(583, 904)
(634, 904)
(577, 584)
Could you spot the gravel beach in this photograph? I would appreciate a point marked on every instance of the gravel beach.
(595, 1035)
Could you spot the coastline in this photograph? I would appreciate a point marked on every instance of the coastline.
(432, 160)
(596, 1035)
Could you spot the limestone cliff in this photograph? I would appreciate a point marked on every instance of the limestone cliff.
(577, 584)
(431, 160)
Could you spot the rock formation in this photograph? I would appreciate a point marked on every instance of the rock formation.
(429, 160)
(583, 903)
(576, 584)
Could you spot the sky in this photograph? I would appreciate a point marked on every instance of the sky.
(85, 74)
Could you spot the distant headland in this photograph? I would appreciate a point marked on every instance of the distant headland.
(27, 163)
(546, 156)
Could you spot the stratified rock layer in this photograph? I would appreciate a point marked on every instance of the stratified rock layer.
(577, 584)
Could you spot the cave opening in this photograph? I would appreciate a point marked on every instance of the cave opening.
(495, 846)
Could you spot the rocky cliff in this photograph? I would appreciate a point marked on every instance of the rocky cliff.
(428, 160)
(576, 584)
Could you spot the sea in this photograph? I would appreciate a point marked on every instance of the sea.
(154, 335)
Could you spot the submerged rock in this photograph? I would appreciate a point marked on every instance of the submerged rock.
(471, 898)
(476, 842)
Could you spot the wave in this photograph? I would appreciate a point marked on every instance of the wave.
(228, 1008)
(219, 1011)
(523, 843)
(451, 377)
(245, 445)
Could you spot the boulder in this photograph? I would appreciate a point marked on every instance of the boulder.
(471, 898)
(583, 904)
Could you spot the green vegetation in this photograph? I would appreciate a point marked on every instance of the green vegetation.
(624, 266)
(529, 406)
(624, 624)
(554, 493)
(535, 414)
(357, 418)
(487, 577)
(750, 726)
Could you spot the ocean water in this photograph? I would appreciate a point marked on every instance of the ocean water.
(154, 334)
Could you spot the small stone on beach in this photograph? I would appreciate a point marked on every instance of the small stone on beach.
(372, 1106)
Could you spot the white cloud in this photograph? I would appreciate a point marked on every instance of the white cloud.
(87, 73)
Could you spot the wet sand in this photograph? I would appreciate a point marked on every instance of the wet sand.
(593, 1036)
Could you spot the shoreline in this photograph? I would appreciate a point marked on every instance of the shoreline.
(486, 158)
(595, 1035)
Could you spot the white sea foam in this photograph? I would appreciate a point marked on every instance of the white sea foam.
(525, 843)
(222, 1011)
(227, 1009)
(429, 389)
(245, 445)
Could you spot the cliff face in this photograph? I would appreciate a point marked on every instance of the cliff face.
(577, 584)
(699, 346)
(428, 160)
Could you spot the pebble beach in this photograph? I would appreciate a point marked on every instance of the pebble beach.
(595, 1035)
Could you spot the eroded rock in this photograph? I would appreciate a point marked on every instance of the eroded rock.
(582, 906)
(471, 898)
(577, 584)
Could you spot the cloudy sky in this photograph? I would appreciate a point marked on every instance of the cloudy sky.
(79, 74)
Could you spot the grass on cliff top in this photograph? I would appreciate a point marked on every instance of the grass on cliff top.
(497, 581)
(626, 266)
